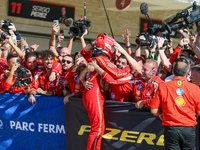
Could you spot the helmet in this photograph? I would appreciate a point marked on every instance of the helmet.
(104, 45)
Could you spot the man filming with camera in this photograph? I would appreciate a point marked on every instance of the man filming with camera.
(10, 83)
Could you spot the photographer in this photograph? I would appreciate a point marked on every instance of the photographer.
(8, 82)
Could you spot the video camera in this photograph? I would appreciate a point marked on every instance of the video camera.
(190, 17)
(79, 27)
(150, 40)
(151, 32)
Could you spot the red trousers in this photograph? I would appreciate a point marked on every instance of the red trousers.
(93, 101)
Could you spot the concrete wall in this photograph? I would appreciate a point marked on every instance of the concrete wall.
(120, 20)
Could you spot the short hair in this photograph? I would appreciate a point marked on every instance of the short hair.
(196, 68)
(11, 55)
(46, 54)
(122, 56)
(76, 55)
(189, 52)
(68, 55)
(155, 64)
(180, 71)
(141, 58)
(189, 59)
(30, 54)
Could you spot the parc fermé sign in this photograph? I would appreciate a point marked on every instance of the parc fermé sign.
(32, 127)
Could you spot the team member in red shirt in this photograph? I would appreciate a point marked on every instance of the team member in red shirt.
(8, 82)
(67, 63)
(120, 92)
(72, 76)
(3, 65)
(145, 87)
(41, 83)
(179, 100)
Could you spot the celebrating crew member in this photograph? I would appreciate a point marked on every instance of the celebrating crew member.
(179, 106)
(72, 76)
(41, 83)
(93, 99)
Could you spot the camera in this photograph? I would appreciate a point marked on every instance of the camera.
(23, 75)
(150, 40)
(6, 24)
(190, 17)
(79, 27)
(3, 36)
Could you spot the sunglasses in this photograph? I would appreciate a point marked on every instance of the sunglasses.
(68, 62)
(181, 60)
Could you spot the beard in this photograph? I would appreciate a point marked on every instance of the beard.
(119, 67)
(81, 68)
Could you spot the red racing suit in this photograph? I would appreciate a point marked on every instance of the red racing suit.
(145, 92)
(120, 89)
(40, 80)
(93, 99)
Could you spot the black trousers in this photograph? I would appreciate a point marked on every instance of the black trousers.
(180, 138)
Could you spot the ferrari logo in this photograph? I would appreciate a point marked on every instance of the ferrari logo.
(179, 83)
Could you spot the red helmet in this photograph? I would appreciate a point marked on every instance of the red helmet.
(105, 44)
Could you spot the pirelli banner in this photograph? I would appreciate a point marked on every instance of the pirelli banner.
(127, 128)
(24, 126)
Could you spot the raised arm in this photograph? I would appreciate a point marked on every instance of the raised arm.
(108, 78)
(163, 57)
(70, 43)
(52, 40)
(83, 44)
(132, 62)
(17, 49)
(126, 36)
(194, 46)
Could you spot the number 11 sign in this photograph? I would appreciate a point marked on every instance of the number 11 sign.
(122, 4)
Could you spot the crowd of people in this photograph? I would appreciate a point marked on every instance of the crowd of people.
(104, 70)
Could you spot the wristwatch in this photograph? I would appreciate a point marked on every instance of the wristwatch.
(128, 46)
(58, 55)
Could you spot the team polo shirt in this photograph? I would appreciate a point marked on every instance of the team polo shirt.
(75, 85)
(179, 100)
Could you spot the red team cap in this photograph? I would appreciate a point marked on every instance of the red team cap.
(105, 44)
